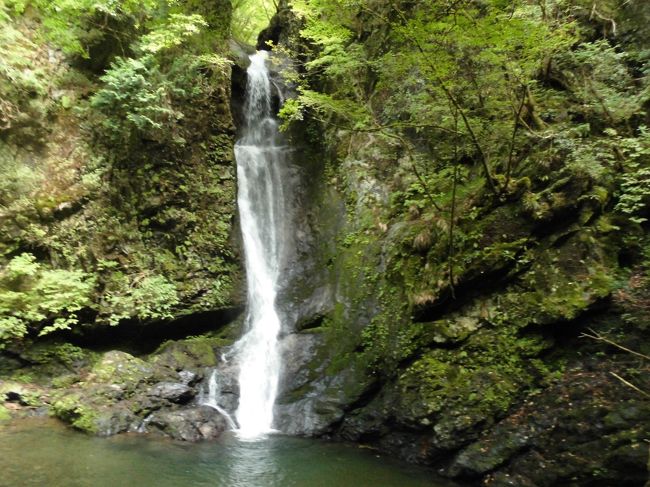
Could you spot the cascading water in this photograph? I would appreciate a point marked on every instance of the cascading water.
(211, 399)
(260, 163)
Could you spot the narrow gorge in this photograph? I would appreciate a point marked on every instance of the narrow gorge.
(325, 242)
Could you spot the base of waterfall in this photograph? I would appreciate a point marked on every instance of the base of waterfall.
(38, 451)
(209, 397)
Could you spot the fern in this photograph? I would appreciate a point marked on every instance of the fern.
(34, 296)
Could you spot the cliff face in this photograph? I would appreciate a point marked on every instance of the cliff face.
(459, 339)
(117, 210)
(118, 197)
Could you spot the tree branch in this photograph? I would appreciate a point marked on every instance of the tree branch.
(452, 99)
(452, 217)
(629, 384)
(596, 13)
(512, 141)
(598, 337)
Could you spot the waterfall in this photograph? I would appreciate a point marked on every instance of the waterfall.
(212, 398)
(262, 212)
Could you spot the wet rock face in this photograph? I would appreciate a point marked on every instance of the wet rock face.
(311, 401)
(190, 424)
(188, 377)
(585, 430)
(173, 392)
(383, 351)
(283, 25)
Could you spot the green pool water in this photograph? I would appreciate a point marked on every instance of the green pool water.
(39, 452)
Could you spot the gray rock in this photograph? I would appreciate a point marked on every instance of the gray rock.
(298, 351)
(188, 377)
(192, 424)
(112, 422)
(311, 407)
(172, 391)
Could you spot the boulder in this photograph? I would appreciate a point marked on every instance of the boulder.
(190, 424)
(188, 377)
(171, 391)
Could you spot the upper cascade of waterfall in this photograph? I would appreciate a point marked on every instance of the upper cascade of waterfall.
(261, 166)
(261, 129)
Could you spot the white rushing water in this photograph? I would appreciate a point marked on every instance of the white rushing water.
(212, 398)
(262, 212)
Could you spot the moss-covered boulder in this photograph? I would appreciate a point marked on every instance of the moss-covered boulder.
(190, 354)
(119, 392)
(107, 398)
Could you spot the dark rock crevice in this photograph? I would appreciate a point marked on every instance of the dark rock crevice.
(143, 338)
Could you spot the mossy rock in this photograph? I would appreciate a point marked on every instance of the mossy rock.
(587, 426)
(43, 361)
(71, 409)
(561, 284)
(93, 412)
(112, 397)
(5, 415)
(190, 354)
(434, 386)
(23, 394)
(121, 368)
(158, 240)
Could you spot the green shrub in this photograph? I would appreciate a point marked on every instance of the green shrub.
(140, 100)
(634, 192)
(172, 32)
(75, 26)
(151, 297)
(33, 296)
(19, 76)
(135, 98)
